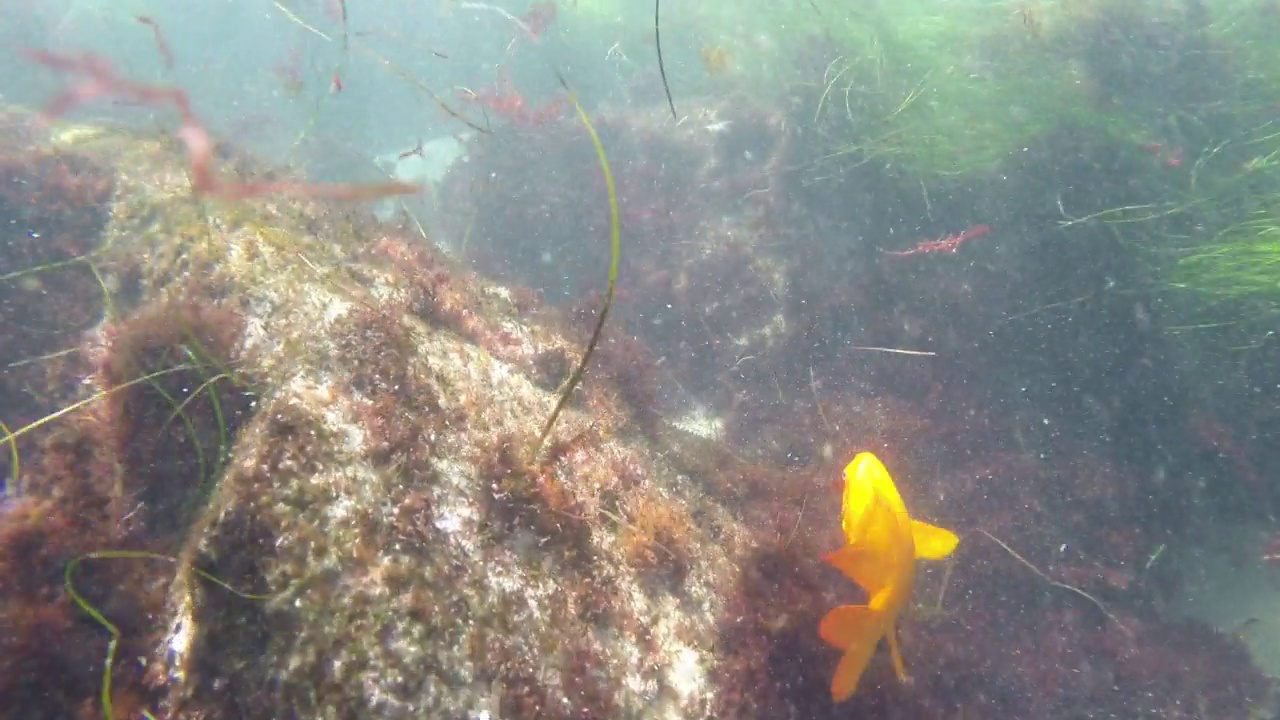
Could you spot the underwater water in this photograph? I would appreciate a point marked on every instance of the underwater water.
(588, 359)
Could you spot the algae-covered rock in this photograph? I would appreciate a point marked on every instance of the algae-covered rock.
(365, 415)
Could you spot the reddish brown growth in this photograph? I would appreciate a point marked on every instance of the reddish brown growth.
(47, 657)
(590, 692)
(48, 298)
(549, 368)
(96, 78)
(167, 334)
(506, 102)
(398, 406)
(1212, 434)
(51, 654)
(414, 519)
(946, 243)
(659, 537)
(771, 662)
(171, 431)
(630, 365)
(433, 294)
(528, 497)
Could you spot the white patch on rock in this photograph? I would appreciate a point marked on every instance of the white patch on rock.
(255, 331)
(333, 307)
(453, 508)
(352, 433)
(179, 645)
(499, 372)
(498, 291)
(702, 423)
(685, 674)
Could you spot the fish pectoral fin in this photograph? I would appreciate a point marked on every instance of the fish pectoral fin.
(856, 629)
(932, 543)
(860, 565)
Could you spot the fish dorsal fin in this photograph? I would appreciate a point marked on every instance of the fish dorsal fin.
(932, 542)
(860, 565)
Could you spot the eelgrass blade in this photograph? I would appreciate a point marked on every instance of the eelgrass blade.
(662, 68)
(615, 237)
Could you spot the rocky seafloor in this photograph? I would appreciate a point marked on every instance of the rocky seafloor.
(295, 469)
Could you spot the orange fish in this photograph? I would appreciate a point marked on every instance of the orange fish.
(882, 543)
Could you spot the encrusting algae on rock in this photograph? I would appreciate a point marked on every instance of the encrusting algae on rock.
(882, 545)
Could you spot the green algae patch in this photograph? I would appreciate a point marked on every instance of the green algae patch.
(1241, 263)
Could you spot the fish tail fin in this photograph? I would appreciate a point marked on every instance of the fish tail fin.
(899, 667)
(855, 629)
